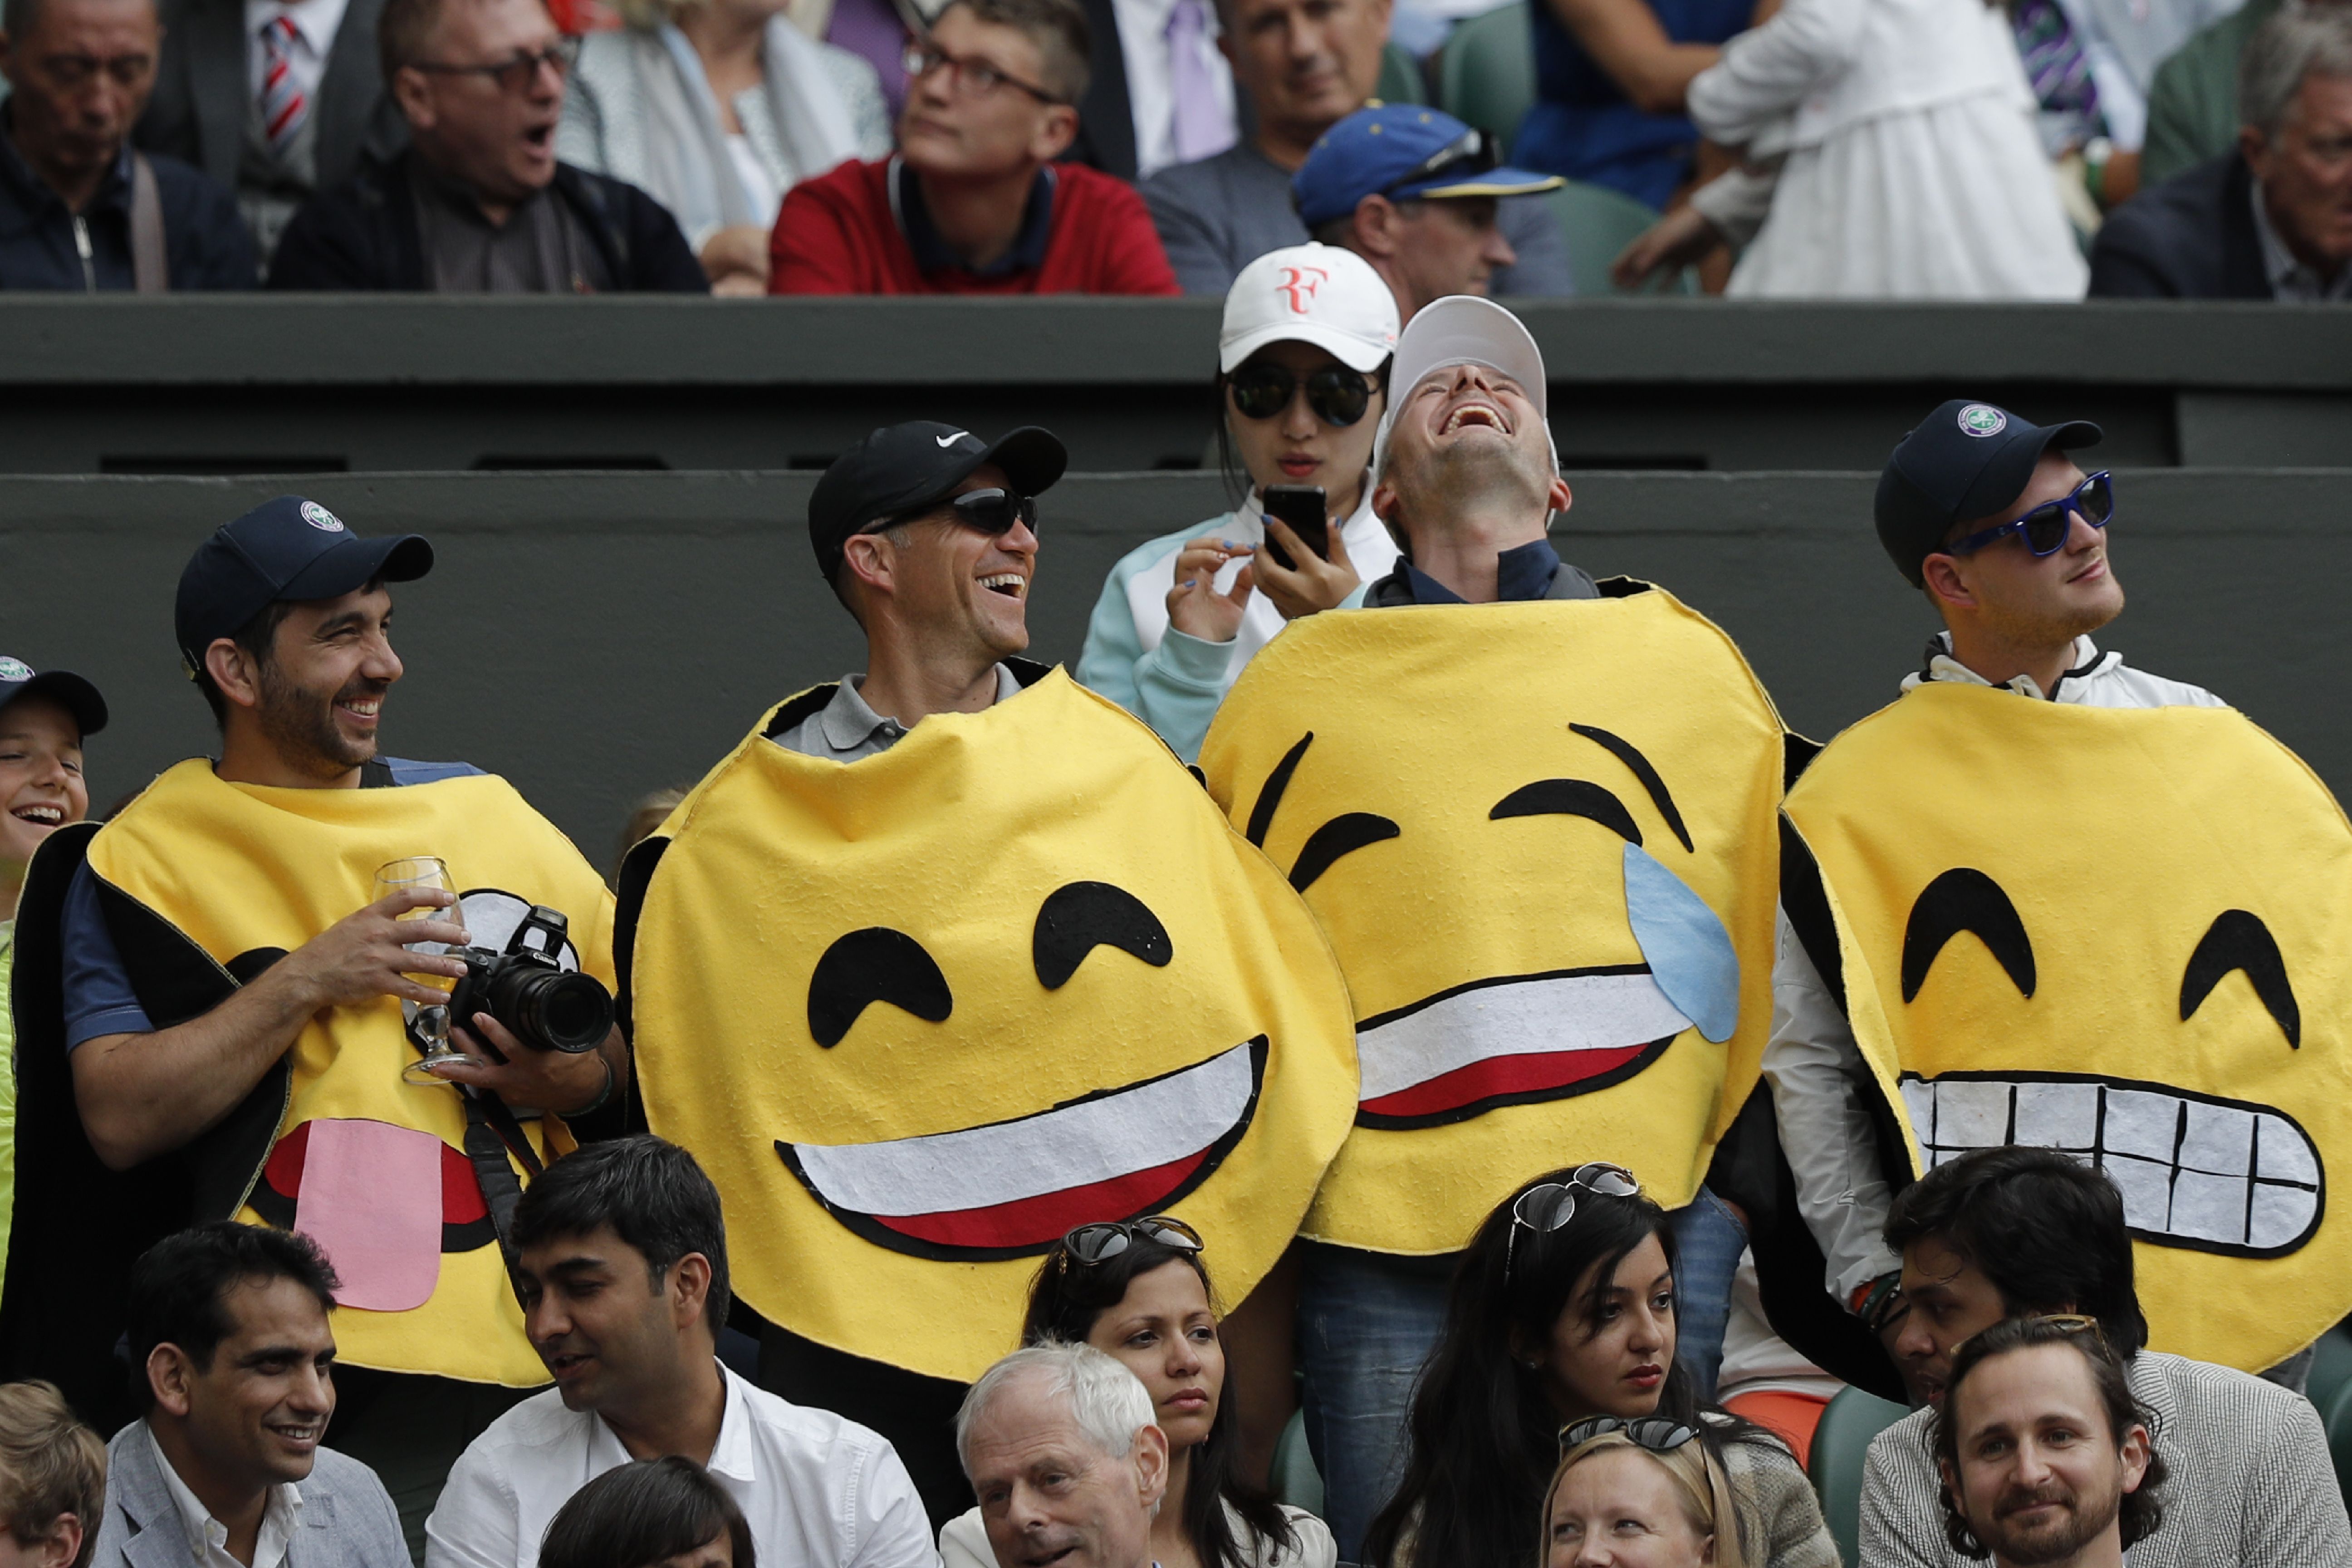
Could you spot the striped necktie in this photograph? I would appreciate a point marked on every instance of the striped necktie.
(284, 105)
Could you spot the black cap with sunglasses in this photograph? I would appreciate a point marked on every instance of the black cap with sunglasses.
(1966, 461)
(905, 470)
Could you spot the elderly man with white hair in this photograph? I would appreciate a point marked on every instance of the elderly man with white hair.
(1060, 1445)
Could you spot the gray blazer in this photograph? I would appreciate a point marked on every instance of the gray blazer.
(347, 1519)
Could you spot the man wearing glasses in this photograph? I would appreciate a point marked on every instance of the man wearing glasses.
(973, 203)
(478, 203)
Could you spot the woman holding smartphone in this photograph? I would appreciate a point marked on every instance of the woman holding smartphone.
(1302, 381)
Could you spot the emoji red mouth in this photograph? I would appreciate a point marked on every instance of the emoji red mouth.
(1012, 1189)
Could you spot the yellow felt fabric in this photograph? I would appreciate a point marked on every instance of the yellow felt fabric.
(1431, 717)
(2118, 838)
(238, 867)
(922, 1254)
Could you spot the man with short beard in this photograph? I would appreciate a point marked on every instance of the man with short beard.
(2047, 1459)
(226, 976)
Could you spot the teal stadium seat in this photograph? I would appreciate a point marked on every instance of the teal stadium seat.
(1598, 223)
(1400, 80)
(1486, 72)
(1840, 1445)
(2337, 1415)
(1296, 1479)
(2331, 1365)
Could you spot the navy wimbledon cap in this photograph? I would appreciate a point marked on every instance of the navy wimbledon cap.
(78, 696)
(288, 548)
(1966, 461)
(913, 466)
(1381, 150)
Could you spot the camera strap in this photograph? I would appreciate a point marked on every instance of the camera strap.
(491, 1130)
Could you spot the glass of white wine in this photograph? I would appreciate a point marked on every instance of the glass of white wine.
(432, 1020)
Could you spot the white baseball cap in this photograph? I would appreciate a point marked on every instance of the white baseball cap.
(1316, 294)
(1463, 328)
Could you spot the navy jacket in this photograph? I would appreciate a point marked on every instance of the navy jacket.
(2191, 238)
(362, 235)
(204, 239)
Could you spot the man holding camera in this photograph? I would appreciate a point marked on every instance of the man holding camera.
(226, 980)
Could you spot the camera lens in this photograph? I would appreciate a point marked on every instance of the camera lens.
(553, 1010)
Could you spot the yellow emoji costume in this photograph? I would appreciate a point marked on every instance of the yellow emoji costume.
(2124, 933)
(920, 1014)
(202, 884)
(1542, 839)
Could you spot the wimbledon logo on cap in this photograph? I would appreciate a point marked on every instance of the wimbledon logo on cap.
(319, 518)
(12, 670)
(1980, 419)
(1298, 285)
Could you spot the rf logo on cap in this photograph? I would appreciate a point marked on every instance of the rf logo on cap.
(1298, 285)
(1983, 419)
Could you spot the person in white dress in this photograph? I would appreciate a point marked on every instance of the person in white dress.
(1913, 169)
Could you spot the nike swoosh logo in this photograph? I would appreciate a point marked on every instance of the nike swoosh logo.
(946, 441)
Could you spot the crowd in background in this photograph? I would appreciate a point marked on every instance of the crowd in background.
(1943, 149)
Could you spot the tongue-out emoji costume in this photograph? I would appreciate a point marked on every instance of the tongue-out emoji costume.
(920, 1014)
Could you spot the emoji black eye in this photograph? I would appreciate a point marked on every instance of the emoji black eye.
(1965, 898)
(1270, 793)
(1341, 835)
(1625, 752)
(1569, 798)
(2238, 940)
(1076, 919)
(876, 964)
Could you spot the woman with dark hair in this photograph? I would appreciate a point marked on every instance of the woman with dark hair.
(1139, 1292)
(651, 1513)
(1562, 1314)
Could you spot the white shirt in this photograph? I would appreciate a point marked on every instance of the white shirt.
(208, 1537)
(1150, 101)
(1817, 1076)
(315, 24)
(963, 1542)
(817, 1491)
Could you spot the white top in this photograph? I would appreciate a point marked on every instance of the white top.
(315, 22)
(963, 1542)
(818, 1492)
(760, 186)
(208, 1537)
(1150, 101)
(1815, 1068)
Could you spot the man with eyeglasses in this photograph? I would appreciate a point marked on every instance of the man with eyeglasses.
(974, 202)
(1417, 193)
(478, 203)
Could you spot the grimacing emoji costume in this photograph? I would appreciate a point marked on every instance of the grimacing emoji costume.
(204, 883)
(2124, 933)
(1542, 839)
(920, 1014)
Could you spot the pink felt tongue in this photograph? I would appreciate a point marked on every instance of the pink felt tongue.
(371, 1198)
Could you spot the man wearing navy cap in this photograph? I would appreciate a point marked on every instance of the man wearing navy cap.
(1414, 192)
(1993, 519)
(228, 999)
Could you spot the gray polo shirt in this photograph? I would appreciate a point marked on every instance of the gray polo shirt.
(845, 728)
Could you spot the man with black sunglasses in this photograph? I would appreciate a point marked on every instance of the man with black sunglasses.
(478, 203)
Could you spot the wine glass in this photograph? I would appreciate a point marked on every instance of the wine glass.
(432, 1020)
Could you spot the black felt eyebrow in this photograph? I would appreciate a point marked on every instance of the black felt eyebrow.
(1079, 917)
(1965, 898)
(1625, 752)
(876, 964)
(1270, 793)
(1341, 835)
(1569, 797)
(2238, 940)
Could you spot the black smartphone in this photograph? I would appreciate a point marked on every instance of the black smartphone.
(1300, 506)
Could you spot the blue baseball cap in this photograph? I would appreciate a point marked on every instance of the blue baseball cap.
(285, 548)
(1966, 461)
(76, 696)
(1404, 150)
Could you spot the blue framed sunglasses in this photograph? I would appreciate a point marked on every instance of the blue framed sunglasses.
(2045, 528)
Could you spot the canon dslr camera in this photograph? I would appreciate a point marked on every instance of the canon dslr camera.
(526, 988)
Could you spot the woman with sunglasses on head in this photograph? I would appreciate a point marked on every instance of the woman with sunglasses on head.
(1139, 1292)
(1562, 1311)
(1643, 1494)
(1302, 381)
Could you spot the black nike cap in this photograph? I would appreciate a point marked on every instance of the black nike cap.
(291, 549)
(913, 466)
(1966, 461)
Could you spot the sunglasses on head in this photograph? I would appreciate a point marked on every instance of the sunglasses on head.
(1337, 394)
(992, 512)
(1547, 1207)
(1658, 1434)
(2045, 528)
(1090, 1245)
(1472, 152)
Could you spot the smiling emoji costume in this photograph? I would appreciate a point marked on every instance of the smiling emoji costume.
(1542, 839)
(2124, 933)
(921, 1014)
